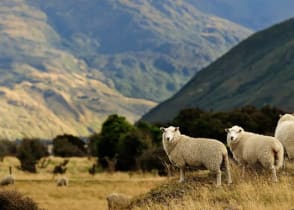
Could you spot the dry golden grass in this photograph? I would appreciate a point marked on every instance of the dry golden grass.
(254, 192)
(88, 192)
(84, 191)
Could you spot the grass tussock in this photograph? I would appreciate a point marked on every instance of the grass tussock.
(254, 191)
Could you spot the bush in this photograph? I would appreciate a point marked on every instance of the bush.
(130, 147)
(197, 123)
(153, 159)
(29, 152)
(113, 131)
(10, 200)
(69, 146)
(7, 148)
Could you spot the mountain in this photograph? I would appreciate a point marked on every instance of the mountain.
(259, 71)
(256, 15)
(44, 89)
(148, 49)
(66, 65)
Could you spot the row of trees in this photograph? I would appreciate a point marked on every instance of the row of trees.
(123, 146)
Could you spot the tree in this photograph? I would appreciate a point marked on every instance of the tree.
(68, 146)
(7, 148)
(129, 148)
(29, 152)
(113, 131)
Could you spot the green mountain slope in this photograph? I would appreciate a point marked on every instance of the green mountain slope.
(259, 71)
(147, 49)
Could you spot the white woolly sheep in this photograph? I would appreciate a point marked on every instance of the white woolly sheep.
(285, 133)
(118, 201)
(185, 151)
(62, 181)
(8, 179)
(250, 148)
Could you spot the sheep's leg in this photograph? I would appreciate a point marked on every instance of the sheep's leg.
(218, 178)
(228, 172)
(275, 179)
(182, 174)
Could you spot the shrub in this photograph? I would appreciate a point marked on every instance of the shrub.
(10, 200)
(68, 146)
(113, 131)
(7, 148)
(29, 152)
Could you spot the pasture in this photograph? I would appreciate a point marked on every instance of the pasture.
(150, 191)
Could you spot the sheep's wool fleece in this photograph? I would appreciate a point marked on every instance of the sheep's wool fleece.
(185, 150)
(252, 148)
(117, 200)
(285, 133)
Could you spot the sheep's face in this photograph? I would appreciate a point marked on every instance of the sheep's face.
(233, 133)
(170, 133)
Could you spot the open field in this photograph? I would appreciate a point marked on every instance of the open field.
(198, 192)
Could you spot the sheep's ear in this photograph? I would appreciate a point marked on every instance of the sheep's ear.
(280, 115)
(226, 130)
(162, 129)
(177, 128)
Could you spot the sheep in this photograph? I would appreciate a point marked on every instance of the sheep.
(285, 133)
(118, 201)
(184, 151)
(8, 179)
(63, 181)
(250, 148)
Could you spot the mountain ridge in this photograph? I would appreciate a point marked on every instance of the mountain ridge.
(57, 73)
(258, 71)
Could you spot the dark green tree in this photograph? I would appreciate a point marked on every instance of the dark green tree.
(29, 152)
(129, 148)
(114, 129)
(92, 144)
(7, 148)
(68, 145)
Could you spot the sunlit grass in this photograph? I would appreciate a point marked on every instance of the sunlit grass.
(87, 192)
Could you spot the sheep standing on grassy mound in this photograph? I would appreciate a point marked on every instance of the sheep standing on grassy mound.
(185, 151)
(118, 201)
(250, 148)
(285, 133)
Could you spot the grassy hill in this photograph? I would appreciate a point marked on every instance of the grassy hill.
(66, 65)
(258, 71)
(252, 14)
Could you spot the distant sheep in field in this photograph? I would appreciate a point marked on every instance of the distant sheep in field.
(250, 148)
(8, 179)
(63, 181)
(285, 133)
(118, 201)
(185, 151)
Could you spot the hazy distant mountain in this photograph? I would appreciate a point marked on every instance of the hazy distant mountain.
(44, 89)
(147, 49)
(66, 65)
(259, 71)
(255, 14)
